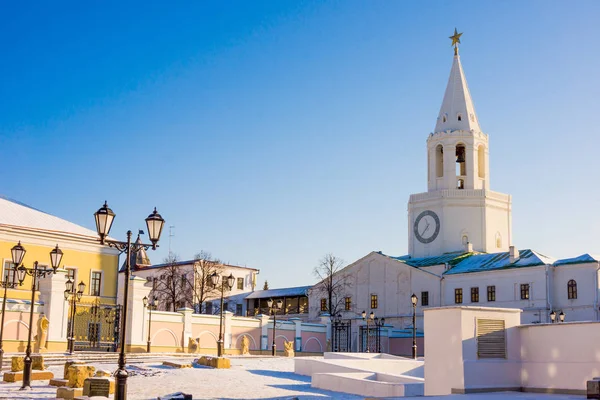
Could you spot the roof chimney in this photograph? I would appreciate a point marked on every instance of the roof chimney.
(513, 254)
(468, 247)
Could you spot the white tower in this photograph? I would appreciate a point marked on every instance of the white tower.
(458, 211)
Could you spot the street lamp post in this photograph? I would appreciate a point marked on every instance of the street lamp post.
(414, 300)
(6, 284)
(278, 305)
(561, 317)
(73, 296)
(104, 219)
(36, 272)
(215, 281)
(371, 318)
(150, 305)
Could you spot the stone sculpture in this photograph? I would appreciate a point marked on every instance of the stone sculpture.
(42, 334)
(245, 345)
(288, 348)
(192, 345)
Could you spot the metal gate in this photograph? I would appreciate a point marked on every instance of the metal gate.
(340, 336)
(96, 327)
(370, 339)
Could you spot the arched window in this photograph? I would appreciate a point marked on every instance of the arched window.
(481, 161)
(572, 289)
(444, 118)
(498, 240)
(461, 160)
(460, 184)
(460, 117)
(465, 240)
(439, 161)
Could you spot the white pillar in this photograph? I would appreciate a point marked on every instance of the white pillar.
(298, 335)
(227, 335)
(187, 325)
(52, 289)
(264, 331)
(325, 320)
(137, 316)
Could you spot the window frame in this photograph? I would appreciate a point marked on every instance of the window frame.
(374, 301)
(348, 303)
(425, 298)
(238, 281)
(91, 291)
(491, 293)
(572, 289)
(525, 291)
(323, 304)
(6, 278)
(475, 294)
(458, 296)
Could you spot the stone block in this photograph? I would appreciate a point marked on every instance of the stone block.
(177, 364)
(37, 362)
(68, 364)
(98, 387)
(17, 364)
(593, 389)
(78, 374)
(35, 376)
(214, 362)
(103, 373)
(68, 393)
(58, 382)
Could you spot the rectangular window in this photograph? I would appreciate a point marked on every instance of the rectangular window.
(491, 293)
(323, 304)
(458, 296)
(524, 291)
(238, 309)
(95, 286)
(240, 283)
(209, 307)
(71, 274)
(373, 301)
(424, 298)
(348, 303)
(225, 306)
(9, 272)
(474, 295)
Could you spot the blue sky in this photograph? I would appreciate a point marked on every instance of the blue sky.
(271, 133)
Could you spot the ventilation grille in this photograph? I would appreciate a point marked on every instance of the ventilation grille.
(491, 339)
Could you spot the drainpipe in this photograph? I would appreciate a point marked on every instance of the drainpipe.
(548, 300)
(446, 267)
(596, 291)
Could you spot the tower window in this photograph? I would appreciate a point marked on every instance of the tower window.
(444, 118)
(498, 240)
(465, 240)
(459, 117)
(481, 161)
(461, 160)
(460, 184)
(439, 161)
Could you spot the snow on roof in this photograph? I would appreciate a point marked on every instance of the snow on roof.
(285, 292)
(584, 258)
(15, 213)
(497, 261)
(450, 258)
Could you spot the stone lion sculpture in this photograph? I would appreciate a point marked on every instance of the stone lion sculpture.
(245, 346)
(288, 348)
(192, 345)
(42, 334)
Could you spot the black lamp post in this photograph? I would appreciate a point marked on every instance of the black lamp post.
(414, 300)
(278, 305)
(371, 318)
(36, 272)
(6, 284)
(150, 305)
(215, 281)
(104, 219)
(73, 296)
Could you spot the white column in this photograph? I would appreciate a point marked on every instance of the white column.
(264, 331)
(52, 289)
(298, 335)
(187, 325)
(227, 335)
(136, 313)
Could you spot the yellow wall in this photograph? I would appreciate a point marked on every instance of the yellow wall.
(83, 261)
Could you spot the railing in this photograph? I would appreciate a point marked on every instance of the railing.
(450, 193)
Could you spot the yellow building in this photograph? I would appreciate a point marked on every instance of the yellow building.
(84, 260)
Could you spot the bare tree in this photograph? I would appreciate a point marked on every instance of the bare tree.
(204, 266)
(332, 284)
(171, 287)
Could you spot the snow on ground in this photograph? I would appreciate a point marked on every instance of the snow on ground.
(248, 378)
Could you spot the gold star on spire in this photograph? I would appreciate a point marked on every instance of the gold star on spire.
(455, 40)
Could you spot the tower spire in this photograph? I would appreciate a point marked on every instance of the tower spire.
(457, 111)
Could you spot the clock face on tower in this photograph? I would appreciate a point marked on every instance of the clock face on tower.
(427, 226)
